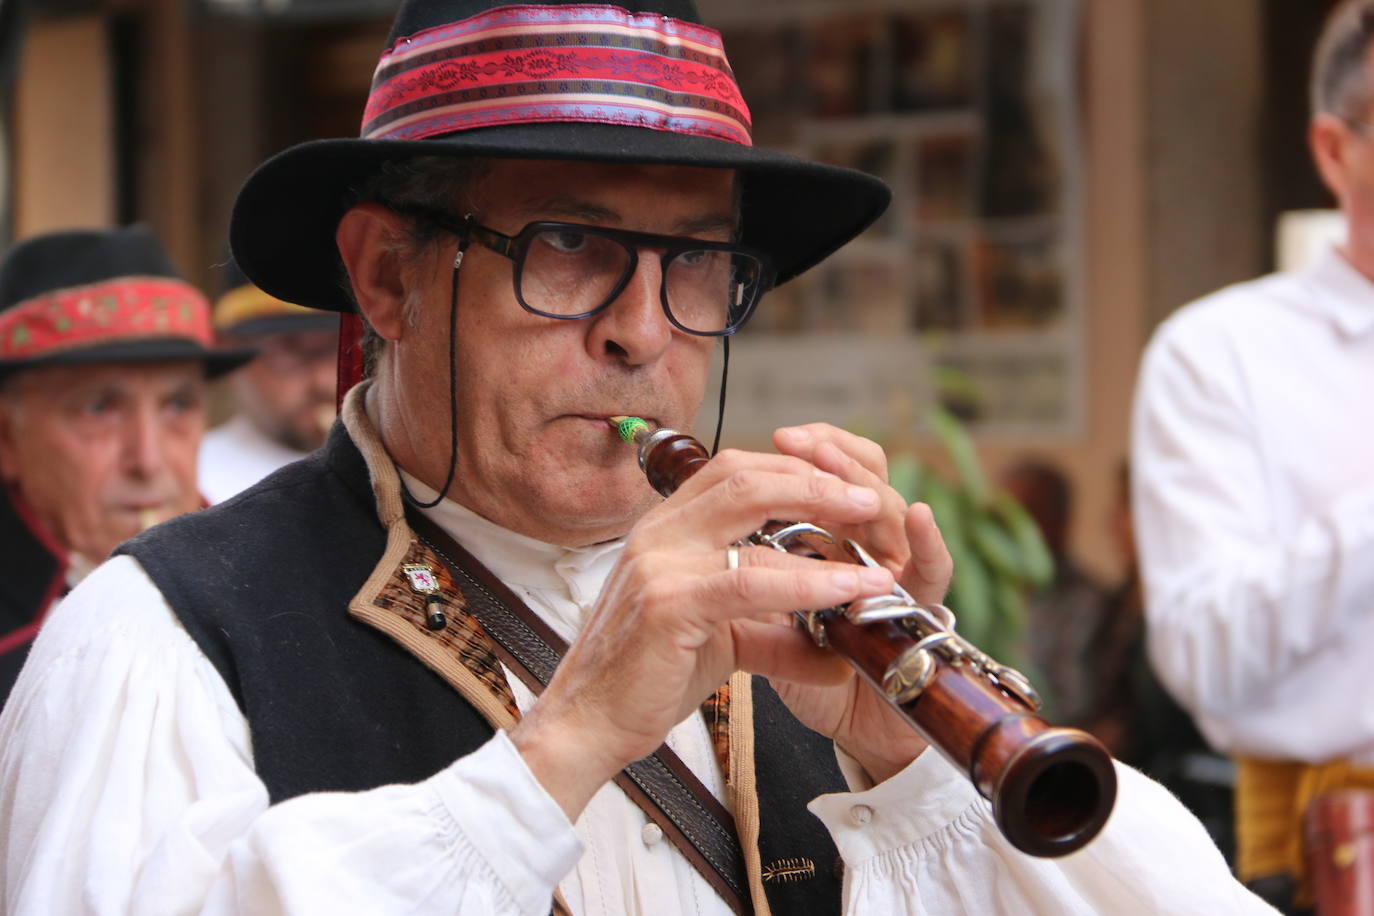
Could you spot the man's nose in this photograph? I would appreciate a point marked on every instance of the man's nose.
(145, 447)
(635, 329)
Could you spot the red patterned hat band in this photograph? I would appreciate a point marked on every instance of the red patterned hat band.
(582, 63)
(124, 308)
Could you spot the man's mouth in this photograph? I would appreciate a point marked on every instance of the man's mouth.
(604, 419)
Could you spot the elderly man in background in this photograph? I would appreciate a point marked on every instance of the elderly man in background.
(283, 400)
(1254, 494)
(104, 353)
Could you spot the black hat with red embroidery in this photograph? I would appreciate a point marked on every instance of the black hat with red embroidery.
(102, 295)
(555, 80)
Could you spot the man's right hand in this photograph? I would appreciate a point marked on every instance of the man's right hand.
(673, 622)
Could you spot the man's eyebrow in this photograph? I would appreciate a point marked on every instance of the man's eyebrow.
(569, 207)
(704, 225)
(87, 391)
(189, 386)
(576, 209)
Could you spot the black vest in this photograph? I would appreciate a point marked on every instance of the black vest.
(262, 583)
(30, 580)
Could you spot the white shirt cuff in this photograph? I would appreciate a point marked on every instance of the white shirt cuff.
(511, 821)
(922, 799)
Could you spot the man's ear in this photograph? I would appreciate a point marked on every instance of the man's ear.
(366, 239)
(1329, 139)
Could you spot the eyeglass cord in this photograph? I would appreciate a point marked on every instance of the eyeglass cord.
(452, 391)
(724, 377)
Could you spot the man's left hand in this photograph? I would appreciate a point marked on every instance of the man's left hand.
(902, 538)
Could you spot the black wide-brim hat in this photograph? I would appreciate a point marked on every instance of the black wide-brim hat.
(796, 211)
(102, 296)
(242, 310)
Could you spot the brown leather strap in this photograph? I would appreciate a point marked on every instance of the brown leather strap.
(661, 785)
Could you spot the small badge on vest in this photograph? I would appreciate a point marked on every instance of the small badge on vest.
(423, 580)
(786, 871)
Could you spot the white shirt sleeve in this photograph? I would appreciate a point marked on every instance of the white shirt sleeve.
(924, 843)
(1237, 597)
(127, 786)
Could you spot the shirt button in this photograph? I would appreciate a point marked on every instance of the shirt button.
(651, 834)
(860, 815)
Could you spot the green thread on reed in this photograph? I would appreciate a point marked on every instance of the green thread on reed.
(627, 427)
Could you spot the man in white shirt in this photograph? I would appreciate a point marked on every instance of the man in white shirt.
(315, 698)
(1254, 499)
(283, 400)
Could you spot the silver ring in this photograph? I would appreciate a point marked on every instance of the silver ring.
(732, 557)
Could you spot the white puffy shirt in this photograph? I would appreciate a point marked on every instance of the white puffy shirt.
(1253, 478)
(127, 786)
(236, 455)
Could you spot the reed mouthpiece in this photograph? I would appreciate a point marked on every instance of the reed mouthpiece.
(627, 426)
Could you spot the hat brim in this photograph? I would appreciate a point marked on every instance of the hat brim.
(143, 350)
(281, 324)
(286, 215)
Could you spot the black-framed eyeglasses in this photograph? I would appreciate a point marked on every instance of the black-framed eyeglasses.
(572, 271)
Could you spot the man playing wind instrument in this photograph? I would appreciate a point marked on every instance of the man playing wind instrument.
(288, 703)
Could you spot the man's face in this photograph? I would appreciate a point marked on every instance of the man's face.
(288, 390)
(101, 451)
(1345, 157)
(534, 451)
(1358, 199)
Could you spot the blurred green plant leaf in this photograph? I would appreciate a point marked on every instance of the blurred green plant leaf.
(951, 380)
(970, 593)
(905, 474)
(945, 507)
(1008, 619)
(959, 446)
(1036, 562)
(997, 547)
(998, 553)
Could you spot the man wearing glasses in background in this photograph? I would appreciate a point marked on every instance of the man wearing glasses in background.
(283, 401)
(1253, 469)
(553, 216)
